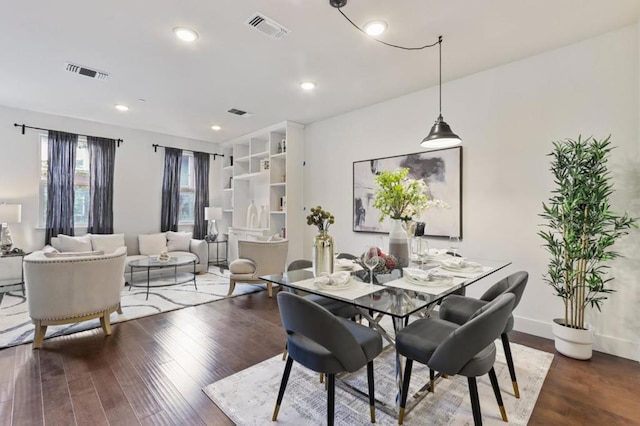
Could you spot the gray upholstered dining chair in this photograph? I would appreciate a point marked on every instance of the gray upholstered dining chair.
(459, 309)
(258, 258)
(467, 350)
(327, 344)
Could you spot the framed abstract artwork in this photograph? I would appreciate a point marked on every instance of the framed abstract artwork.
(442, 171)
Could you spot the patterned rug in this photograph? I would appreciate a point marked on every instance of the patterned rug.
(248, 397)
(16, 327)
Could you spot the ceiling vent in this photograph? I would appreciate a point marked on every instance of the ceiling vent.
(239, 112)
(267, 26)
(87, 72)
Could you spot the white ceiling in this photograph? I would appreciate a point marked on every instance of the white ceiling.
(189, 87)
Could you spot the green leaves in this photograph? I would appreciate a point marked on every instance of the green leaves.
(399, 197)
(581, 227)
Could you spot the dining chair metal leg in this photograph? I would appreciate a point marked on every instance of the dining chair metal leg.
(283, 386)
(432, 381)
(331, 395)
(512, 368)
(372, 396)
(496, 391)
(475, 401)
(321, 377)
(284, 353)
(405, 389)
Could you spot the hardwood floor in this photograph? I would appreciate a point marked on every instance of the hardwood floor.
(150, 371)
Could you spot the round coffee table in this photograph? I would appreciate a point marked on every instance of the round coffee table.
(152, 263)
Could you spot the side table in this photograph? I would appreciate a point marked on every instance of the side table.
(8, 282)
(221, 262)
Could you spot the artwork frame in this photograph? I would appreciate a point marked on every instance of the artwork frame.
(442, 171)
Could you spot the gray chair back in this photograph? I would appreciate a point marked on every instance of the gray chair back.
(303, 319)
(299, 264)
(472, 337)
(514, 283)
(348, 256)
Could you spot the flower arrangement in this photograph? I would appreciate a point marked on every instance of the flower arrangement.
(400, 197)
(320, 218)
(386, 262)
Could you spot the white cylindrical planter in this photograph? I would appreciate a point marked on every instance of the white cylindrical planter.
(573, 342)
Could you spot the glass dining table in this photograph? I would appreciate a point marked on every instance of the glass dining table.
(395, 296)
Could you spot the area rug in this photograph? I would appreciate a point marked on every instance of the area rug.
(16, 327)
(248, 397)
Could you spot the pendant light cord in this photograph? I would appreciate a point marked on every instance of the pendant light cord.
(384, 42)
(440, 76)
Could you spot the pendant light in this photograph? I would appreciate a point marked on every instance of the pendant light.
(441, 135)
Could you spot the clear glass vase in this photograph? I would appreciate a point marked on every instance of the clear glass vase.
(322, 253)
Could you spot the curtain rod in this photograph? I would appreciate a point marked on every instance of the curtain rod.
(156, 146)
(24, 126)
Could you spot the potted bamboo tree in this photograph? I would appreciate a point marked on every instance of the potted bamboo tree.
(581, 230)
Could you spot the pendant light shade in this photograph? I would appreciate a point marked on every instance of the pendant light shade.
(441, 135)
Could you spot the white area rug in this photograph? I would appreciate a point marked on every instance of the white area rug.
(16, 327)
(249, 397)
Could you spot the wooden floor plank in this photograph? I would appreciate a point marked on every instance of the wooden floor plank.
(56, 400)
(86, 403)
(27, 397)
(7, 372)
(112, 398)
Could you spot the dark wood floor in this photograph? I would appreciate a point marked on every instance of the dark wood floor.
(151, 371)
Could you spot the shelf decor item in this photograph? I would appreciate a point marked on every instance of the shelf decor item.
(252, 215)
(323, 242)
(581, 229)
(212, 214)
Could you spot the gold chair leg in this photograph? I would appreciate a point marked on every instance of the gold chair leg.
(321, 377)
(516, 391)
(270, 289)
(284, 353)
(38, 337)
(106, 323)
(275, 413)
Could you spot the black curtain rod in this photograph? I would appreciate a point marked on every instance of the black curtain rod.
(156, 146)
(24, 126)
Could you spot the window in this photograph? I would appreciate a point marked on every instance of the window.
(187, 189)
(80, 182)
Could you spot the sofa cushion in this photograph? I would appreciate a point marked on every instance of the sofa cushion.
(242, 266)
(185, 254)
(73, 254)
(152, 244)
(178, 241)
(66, 243)
(49, 249)
(108, 243)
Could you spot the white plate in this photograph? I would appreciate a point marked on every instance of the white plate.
(334, 287)
(463, 269)
(431, 283)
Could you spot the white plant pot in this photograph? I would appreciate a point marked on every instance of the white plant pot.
(572, 342)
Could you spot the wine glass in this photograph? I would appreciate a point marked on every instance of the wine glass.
(370, 259)
(454, 245)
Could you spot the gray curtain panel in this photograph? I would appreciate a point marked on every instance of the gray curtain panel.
(60, 193)
(201, 169)
(170, 212)
(102, 157)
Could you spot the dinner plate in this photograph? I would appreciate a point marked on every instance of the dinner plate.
(334, 287)
(474, 268)
(440, 282)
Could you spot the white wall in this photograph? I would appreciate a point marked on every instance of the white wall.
(507, 118)
(138, 172)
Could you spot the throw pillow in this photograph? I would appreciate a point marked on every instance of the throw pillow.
(152, 244)
(74, 254)
(74, 244)
(108, 243)
(49, 249)
(178, 241)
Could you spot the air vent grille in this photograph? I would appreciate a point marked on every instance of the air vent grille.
(267, 26)
(237, 111)
(87, 72)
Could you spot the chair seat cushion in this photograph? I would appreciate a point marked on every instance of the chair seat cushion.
(420, 339)
(337, 308)
(242, 266)
(481, 363)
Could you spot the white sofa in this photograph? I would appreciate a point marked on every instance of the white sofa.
(139, 247)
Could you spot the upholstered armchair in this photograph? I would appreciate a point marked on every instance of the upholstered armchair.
(258, 258)
(72, 288)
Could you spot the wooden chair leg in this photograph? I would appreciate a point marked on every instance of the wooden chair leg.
(283, 386)
(496, 391)
(512, 368)
(475, 401)
(405, 389)
(119, 310)
(39, 333)
(372, 395)
(232, 286)
(331, 396)
(105, 322)
(270, 290)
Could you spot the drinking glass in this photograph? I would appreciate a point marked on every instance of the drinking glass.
(454, 245)
(371, 260)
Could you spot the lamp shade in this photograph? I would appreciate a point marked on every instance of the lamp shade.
(213, 213)
(10, 213)
(440, 136)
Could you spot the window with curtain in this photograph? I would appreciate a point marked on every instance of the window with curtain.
(80, 182)
(187, 189)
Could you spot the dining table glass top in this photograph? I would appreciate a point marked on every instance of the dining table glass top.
(395, 295)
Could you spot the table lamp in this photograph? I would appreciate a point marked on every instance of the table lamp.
(9, 213)
(212, 214)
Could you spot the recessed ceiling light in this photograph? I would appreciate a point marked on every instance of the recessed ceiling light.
(216, 128)
(308, 85)
(375, 28)
(121, 107)
(185, 34)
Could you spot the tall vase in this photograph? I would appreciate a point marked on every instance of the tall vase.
(252, 215)
(399, 243)
(322, 253)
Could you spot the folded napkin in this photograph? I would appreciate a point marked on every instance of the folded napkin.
(426, 277)
(461, 264)
(436, 254)
(336, 279)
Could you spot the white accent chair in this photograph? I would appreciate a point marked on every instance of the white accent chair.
(68, 289)
(258, 258)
